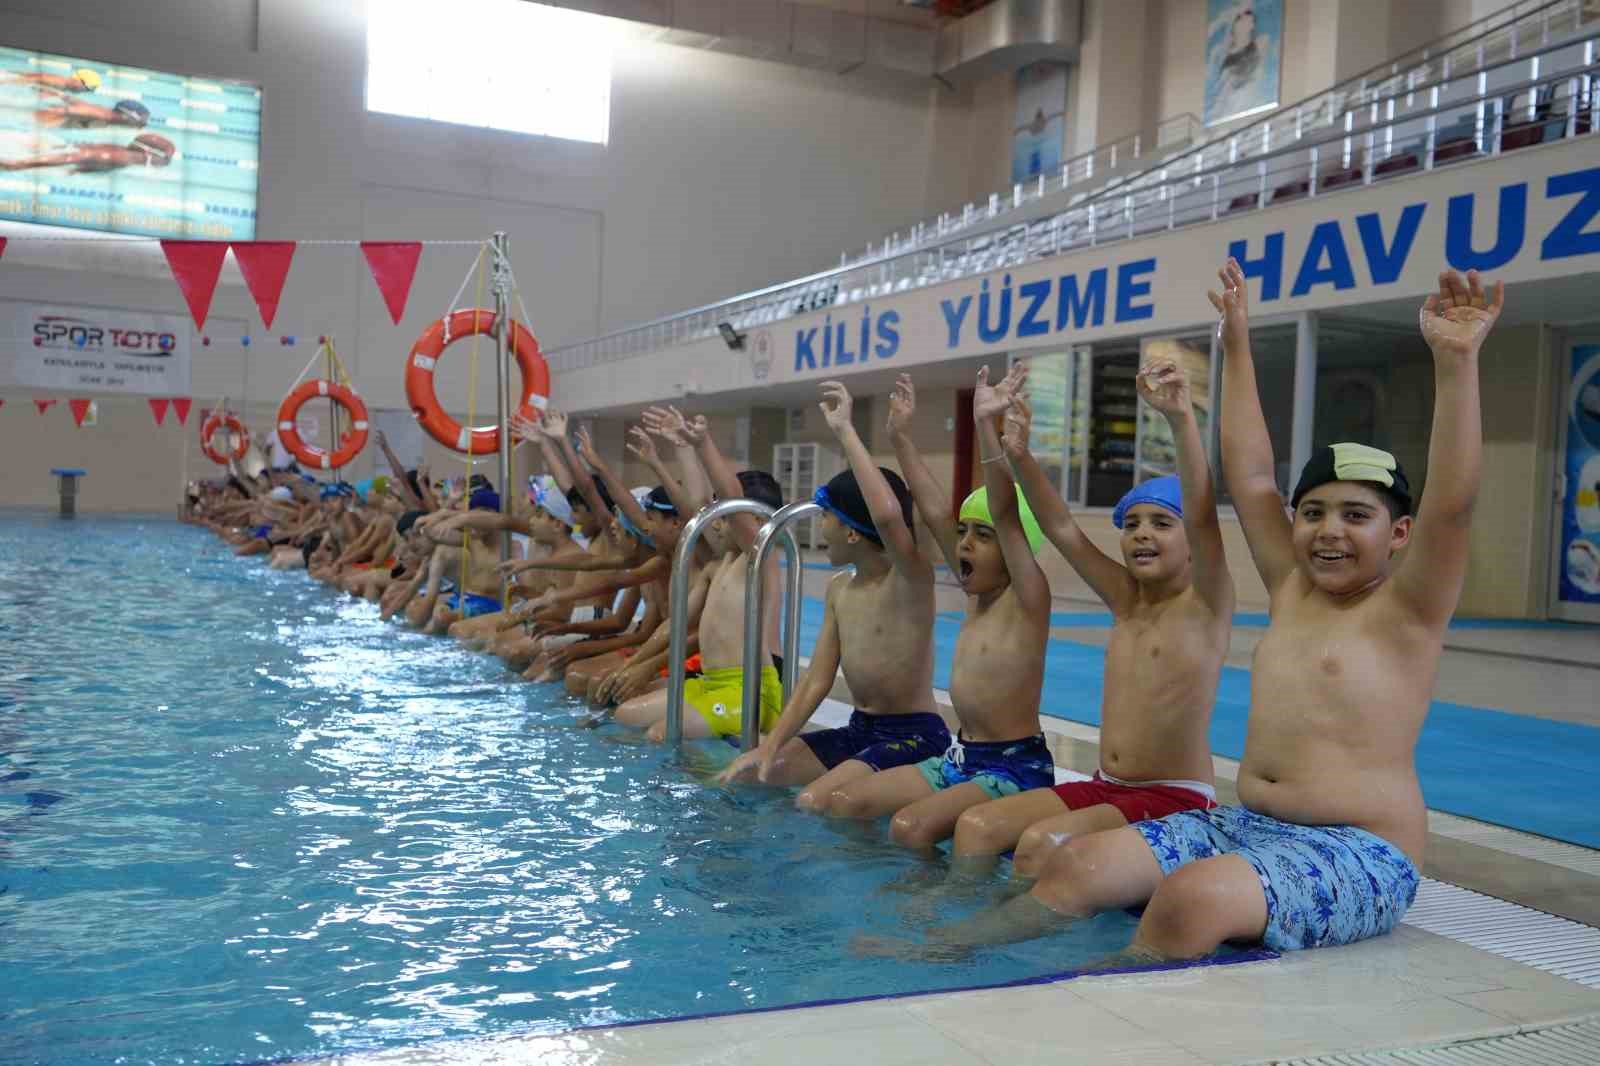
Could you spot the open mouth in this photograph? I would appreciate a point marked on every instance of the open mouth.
(963, 570)
(1330, 557)
(1144, 555)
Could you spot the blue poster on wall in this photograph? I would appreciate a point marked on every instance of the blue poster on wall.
(1041, 124)
(1244, 52)
(1580, 511)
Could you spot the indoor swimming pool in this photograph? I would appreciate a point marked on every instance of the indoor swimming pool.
(243, 819)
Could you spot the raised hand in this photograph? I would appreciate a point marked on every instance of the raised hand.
(1018, 423)
(1164, 385)
(1457, 318)
(666, 423)
(1234, 307)
(585, 444)
(641, 446)
(902, 404)
(694, 429)
(991, 400)
(526, 428)
(836, 406)
(554, 423)
(383, 441)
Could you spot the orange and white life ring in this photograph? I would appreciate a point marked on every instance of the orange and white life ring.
(350, 445)
(223, 420)
(425, 402)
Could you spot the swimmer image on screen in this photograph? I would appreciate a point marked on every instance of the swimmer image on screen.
(1326, 845)
(82, 80)
(145, 150)
(72, 113)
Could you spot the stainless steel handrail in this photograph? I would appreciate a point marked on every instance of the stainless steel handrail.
(678, 601)
(755, 614)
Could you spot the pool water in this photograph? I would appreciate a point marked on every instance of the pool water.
(241, 818)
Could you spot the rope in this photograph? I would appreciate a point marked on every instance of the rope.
(478, 262)
(472, 411)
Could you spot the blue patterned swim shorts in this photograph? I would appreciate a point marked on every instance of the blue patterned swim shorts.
(1325, 884)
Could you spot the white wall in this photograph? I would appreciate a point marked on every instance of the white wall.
(722, 174)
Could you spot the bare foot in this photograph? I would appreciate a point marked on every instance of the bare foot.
(864, 945)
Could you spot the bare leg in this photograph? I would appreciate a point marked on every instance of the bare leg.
(815, 796)
(1199, 907)
(984, 832)
(1043, 838)
(875, 795)
(1090, 874)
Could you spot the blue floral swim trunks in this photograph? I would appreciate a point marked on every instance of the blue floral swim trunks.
(1325, 884)
(999, 767)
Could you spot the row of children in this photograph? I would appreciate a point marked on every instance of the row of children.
(1326, 843)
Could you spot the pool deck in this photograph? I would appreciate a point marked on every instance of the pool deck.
(1411, 990)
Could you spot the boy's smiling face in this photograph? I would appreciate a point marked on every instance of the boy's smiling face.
(982, 568)
(1345, 536)
(1155, 545)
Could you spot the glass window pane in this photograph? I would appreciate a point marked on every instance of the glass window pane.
(1273, 348)
(1113, 422)
(1158, 452)
(1047, 389)
(560, 87)
(1375, 386)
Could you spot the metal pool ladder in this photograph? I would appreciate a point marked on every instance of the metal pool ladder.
(678, 608)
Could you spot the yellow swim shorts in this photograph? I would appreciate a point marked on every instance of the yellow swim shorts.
(719, 697)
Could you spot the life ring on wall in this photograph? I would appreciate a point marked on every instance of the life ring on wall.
(223, 420)
(350, 445)
(425, 402)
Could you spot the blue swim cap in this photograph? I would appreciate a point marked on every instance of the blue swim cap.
(484, 500)
(364, 489)
(1162, 491)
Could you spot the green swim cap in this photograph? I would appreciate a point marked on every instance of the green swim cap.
(975, 508)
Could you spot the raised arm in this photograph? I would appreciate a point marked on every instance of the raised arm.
(1246, 448)
(403, 483)
(555, 423)
(931, 497)
(988, 403)
(726, 483)
(644, 449)
(540, 432)
(1165, 386)
(684, 435)
(1108, 578)
(882, 503)
(619, 492)
(1455, 321)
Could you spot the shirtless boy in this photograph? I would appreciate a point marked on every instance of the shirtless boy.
(999, 658)
(877, 624)
(713, 702)
(1326, 847)
(1171, 603)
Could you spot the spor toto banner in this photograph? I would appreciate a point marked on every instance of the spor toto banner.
(94, 349)
(107, 147)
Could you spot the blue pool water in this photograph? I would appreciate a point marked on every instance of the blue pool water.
(242, 819)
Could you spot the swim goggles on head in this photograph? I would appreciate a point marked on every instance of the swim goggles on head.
(822, 500)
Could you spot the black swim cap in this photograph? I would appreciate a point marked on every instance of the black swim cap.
(762, 487)
(1357, 462)
(658, 500)
(842, 495)
(407, 520)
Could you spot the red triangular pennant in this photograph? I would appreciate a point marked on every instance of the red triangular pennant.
(158, 407)
(180, 408)
(43, 405)
(80, 408)
(2, 246)
(393, 265)
(265, 266)
(195, 267)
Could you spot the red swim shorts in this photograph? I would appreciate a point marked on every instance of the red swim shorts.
(1138, 803)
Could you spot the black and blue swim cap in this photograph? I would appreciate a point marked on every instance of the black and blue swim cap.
(842, 498)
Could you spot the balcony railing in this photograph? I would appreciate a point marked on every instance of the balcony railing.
(1516, 79)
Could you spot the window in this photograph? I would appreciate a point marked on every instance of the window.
(1273, 348)
(1057, 388)
(1157, 450)
(1113, 424)
(1375, 386)
(544, 71)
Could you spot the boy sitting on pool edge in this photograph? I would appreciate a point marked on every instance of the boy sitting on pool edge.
(998, 667)
(877, 624)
